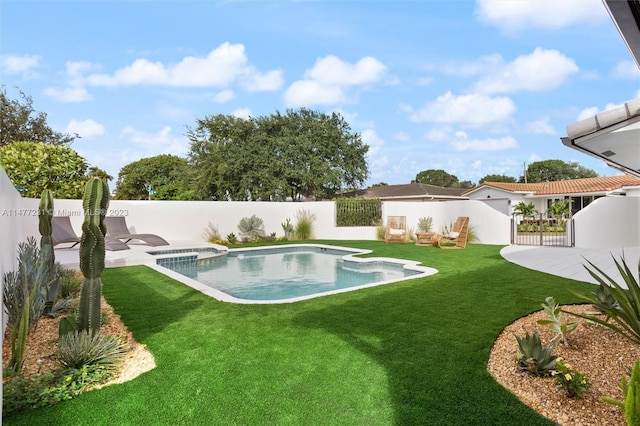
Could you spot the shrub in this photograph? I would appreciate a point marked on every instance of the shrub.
(623, 315)
(251, 228)
(21, 394)
(232, 238)
(555, 322)
(70, 284)
(533, 357)
(425, 224)
(87, 348)
(287, 228)
(571, 381)
(380, 231)
(304, 225)
(631, 393)
(211, 234)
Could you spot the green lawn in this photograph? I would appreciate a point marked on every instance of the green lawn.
(410, 353)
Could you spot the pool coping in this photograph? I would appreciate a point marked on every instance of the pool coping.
(424, 271)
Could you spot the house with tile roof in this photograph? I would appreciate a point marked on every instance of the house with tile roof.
(409, 192)
(582, 192)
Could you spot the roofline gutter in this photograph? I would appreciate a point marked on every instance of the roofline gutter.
(431, 197)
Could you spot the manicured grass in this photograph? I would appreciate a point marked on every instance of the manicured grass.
(408, 353)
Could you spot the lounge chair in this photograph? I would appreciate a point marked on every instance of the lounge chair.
(62, 232)
(457, 238)
(117, 228)
(396, 229)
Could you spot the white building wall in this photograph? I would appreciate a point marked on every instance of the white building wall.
(14, 225)
(609, 222)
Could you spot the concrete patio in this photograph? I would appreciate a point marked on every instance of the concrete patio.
(568, 262)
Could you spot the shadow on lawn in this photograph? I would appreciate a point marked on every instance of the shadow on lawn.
(433, 339)
(147, 307)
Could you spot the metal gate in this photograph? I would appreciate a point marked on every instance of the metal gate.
(542, 230)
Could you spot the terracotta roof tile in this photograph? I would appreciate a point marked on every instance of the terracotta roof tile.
(572, 186)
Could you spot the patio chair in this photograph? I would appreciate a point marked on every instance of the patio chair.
(62, 232)
(117, 228)
(457, 238)
(396, 229)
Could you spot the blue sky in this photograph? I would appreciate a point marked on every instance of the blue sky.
(472, 87)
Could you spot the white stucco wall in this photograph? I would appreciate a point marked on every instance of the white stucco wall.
(187, 220)
(13, 228)
(609, 222)
(490, 226)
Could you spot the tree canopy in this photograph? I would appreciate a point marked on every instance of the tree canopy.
(303, 153)
(35, 166)
(438, 177)
(555, 170)
(20, 122)
(497, 178)
(166, 175)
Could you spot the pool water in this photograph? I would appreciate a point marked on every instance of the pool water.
(292, 272)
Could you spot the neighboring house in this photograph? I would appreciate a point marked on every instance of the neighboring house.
(408, 192)
(581, 191)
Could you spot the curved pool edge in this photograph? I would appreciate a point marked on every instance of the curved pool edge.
(424, 271)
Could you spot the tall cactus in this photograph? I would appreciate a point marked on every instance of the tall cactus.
(92, 247)
(45, 213)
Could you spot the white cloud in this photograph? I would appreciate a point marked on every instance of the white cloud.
(402, 137)
(331, 71)
(541, 70)
(439, 134)
(463, 143)
(173, 144)
(309, 92)
(220, 68)
(375, 142)
(68, 94)
(330, 79)
(470, 110)
(513, 16)
(242, 113)
(14, 64)
(256, 82)
(86, 129)
(482, 65)
(587, 112)
(626, 70)
(541, 127)
(224, 96)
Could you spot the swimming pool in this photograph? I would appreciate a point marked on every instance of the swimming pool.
(279, 274)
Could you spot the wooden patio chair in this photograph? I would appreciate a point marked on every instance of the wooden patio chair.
(396, 229)
(457, 238)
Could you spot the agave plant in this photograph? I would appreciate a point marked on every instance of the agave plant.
(619, 302)
(533, 357)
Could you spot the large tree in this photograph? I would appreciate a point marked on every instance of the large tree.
(20, 122)
(34, 167)
(167, 176)
(497, 178)
(437, 178)
(555, 170)
(302, 153)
